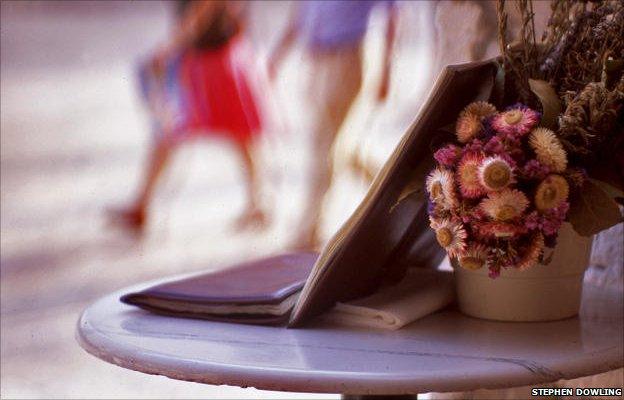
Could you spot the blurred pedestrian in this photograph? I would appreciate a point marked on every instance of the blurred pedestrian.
(332, 32)
(197, 84)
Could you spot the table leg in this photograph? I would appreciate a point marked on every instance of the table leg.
(379, 397)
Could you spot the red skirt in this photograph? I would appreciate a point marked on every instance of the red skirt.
(218, 94)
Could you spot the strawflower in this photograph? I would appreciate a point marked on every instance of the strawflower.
(505, 205)
(495, 173)
(551, 192)
(468, 175)
(447, 156)
(518, 121)
(548, 149)
(450, 235)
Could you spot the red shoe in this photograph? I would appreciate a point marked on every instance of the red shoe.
(132, 220)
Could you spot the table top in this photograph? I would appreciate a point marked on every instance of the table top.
(446, 351)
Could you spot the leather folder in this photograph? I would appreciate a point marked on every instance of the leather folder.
(257, 292)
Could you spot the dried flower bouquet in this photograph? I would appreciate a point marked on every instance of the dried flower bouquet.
(503, 188)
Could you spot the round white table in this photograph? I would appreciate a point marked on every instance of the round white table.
(443, 352)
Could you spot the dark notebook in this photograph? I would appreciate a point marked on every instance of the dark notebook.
(387, 233)
(257, 292)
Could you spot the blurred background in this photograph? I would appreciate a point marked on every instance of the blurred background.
(74, 139)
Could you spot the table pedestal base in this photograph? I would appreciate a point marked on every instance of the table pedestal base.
(379, 397)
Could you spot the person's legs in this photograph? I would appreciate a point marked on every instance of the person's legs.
(161, 154)
(135, 216)
(253, 213)
(162, 90)
(336, 83)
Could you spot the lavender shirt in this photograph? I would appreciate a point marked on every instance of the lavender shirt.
(331, 24)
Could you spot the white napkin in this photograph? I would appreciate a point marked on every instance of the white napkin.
(420, 293)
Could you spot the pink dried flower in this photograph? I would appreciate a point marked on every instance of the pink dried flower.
(495, 173)
(440, 187)
(468, 175)
(505, 205)
(552, 220)
(514, 147)
(450, 235)
(506, 147)
(517, 121)
(548, 222)
(474, 146)
(494, 145)
(550, 226)
(447, 156)
(533, 169)
(533, 221)
(509, 227)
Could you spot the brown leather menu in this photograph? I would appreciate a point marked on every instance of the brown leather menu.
(384, 235)
(260, 291)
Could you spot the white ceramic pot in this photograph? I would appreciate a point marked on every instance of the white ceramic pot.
(541, 293)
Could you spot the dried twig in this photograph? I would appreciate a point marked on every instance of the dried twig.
(502, 28)
(582, 57)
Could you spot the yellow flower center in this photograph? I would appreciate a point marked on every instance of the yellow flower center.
(497, 175)
(470, 174)
(436, 190)
(444, 236)
(551, 192)
(471, 263)
(547, 197)
(513, 117)
(506, 212)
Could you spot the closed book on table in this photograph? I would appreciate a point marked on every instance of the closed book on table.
(259, 292)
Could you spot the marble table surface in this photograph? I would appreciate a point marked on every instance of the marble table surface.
(443, 352)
